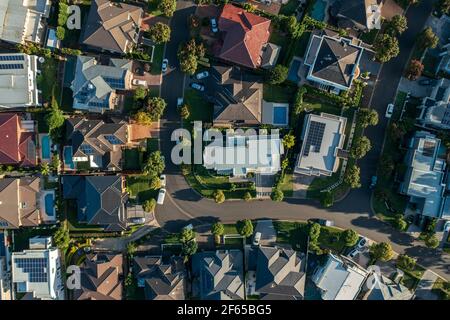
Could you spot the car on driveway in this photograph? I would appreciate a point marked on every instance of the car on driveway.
(373, 182)
(323, 222)
(165, 65)
(161, 196)
(138, 82)
(361, 244)
(214, 25)
(389, 110)
(353, 253)
(162, 178)
(202, 75)
(180, 102)
(427, 82)
(257, 239)
(197, 86)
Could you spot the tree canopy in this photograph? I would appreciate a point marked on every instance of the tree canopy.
(360, 147)
(159, 32)
(352, 177)
(349, 237)
(289, 141)
(278, 74)
(167, 7)
(217, 229)
(367, 117)
(155, 164)
(245, 227)
(381, 251)
(386, 48)
(428, 39)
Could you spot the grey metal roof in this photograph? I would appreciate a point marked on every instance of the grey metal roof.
(386, 289)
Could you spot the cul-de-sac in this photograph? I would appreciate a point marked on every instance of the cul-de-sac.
(224, 150)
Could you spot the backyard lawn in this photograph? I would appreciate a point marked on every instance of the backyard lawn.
(276, 93)
(132, 159)
(317, 105)
(47, 80)
(157, 59)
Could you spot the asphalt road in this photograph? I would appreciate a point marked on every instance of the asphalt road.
(183, 205)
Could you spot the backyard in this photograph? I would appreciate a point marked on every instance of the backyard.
(277, 93)
(47, 80)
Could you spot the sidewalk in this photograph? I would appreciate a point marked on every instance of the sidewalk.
(423, 290)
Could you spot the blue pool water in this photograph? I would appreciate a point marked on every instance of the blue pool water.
(45, 145)
(318, 11)
(293, 71)
(49, 204)
(279, 115)
(68, 157)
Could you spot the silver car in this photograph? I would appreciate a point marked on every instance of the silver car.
(165, 65)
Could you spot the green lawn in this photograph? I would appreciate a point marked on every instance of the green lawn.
(278, 93)
(132, 159)
(70, 208)
(172, 238)
(287, 185)
(442, 289)
(319, 184)
(139, 188)
(158, 57)
(412, 278)
(280, 39)
(319, 105)
(152, 8)
(329, 239)
(230, 229)
(47, 80)
(199, 108)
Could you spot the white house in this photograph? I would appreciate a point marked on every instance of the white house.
(18, 85)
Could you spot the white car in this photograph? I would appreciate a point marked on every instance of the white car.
(389, 110)
(137, 82)
(165, 64)
(256, 239)
(161, 196)
(214, 25)
(362, 242)
(202, 75)
(137, 220)
(162, 178)
(197, 86)
(180, 102)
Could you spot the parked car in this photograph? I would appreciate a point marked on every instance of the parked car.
(162, 178)
(389, 110)
(189, 227)
(323, 222)
(137, 220)
(257, 239)
(180, 102)
(353, 253)
(214, 25)
(362, 242)
(161, 196)
(202, 75)
(427, 82)
(137, 82)
(165, 64)
(373, 182)
(197, 86)
(447, 226)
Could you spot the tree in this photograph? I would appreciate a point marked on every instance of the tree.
(149, 205)
(386, 48)
(314, 232)
(400, 223)
(387, 165)
(142, 118)
(298, 100)
(155, 164)
(414, 70)
(55, 120)
(431, 241)
(352, 177)
(155, 182)
(60, 33)
(443, 6)
(278, 74)
(247, 196)
(406, 262)
(184, 112)
(155, 107)
(289, 141)
(397, 25)
(349, 237)
(45, 169)
(367, 117)
(139, 94)
(245, 227)
(285, 163)
(428, 39)
(219, 196)
(326, 199)
(131, 249)
(187, 234)
(381, 251)
(189, 248)
(167, 7)
(277, 195)
(55, 163)
(61, 237)
(159, 32)
(217, 229)
(188, 54)
(360, 147)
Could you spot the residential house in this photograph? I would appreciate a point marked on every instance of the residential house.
(112, 26)
(237, 97)
(97, 143)
(18, 138)
(101, 277)
(36, 272)
(24, 203)
(244, 39)
(101, 200)
(435, 109)
(96, 87)
(161, 280)
(339, 279)
(243, 154)
(386, 289)
(5, 268)
(18, 85)
(333, 61)
(279, 273)
(218, 275)
(323, 139)
(424, 181)
(23, 20)
(444, 58)
(361, 15)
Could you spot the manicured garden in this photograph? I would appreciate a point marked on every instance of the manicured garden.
(139, 188)
(199, 108)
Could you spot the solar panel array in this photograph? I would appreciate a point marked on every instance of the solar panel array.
(112, 139)
(115, 82)
(36, 268)
(12, 58)
(11, 66)
(314, 138)
(86, 149)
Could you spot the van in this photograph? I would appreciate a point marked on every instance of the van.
(256, 239)
(161, 196)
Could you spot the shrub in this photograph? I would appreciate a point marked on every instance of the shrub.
(245, 228)
(149, 205)
(219, 196)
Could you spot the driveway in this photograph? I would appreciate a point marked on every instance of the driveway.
(415, 88)
(300, 185)
(423, 290)
(268, 232)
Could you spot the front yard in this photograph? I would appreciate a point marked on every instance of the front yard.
(199, 108)
(139, 188)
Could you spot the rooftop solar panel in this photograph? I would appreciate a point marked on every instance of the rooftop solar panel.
(314, 138)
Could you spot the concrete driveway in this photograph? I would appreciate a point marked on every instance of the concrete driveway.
(423, 291)
(268, 232)
(414, 87)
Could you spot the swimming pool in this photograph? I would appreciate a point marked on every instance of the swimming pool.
(68, 157)
(50, 204)
(45, 147)
(318, 11)
(293, 71)
(280, 115)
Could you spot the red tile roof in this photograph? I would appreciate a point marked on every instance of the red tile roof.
(16, 147)
(245, 35)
